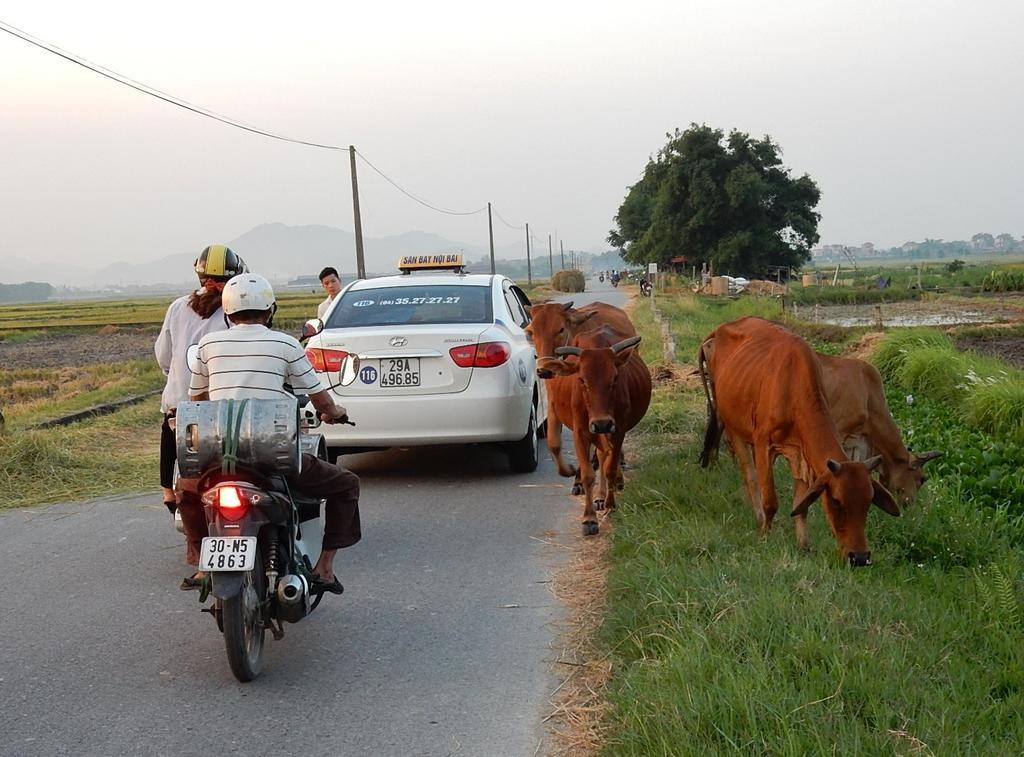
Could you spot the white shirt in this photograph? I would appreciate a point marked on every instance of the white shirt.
(322, 307)
(182, 328)
(250, 360)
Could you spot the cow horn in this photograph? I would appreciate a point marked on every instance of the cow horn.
(924, 457)
(625, 344)
(567, 306)
(873, 462)
(568, 351)
(833, 465)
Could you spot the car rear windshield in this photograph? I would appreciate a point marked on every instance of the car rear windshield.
(424, 303)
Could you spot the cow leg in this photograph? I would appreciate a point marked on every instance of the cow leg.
(603, 482)
(800, 487)
(583, 442)
(741, 451)
(766, 480)
(612, 467)
(554, 440)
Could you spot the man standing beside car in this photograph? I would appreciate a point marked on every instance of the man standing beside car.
(332, 285)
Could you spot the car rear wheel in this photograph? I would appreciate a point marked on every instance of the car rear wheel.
(523, 455)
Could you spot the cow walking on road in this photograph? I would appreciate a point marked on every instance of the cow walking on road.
(765, 390)
(556, 324)
(601, 390)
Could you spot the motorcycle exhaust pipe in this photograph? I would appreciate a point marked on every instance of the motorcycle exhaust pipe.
(292, 590)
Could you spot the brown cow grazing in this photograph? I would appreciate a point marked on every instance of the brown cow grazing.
(764, 387)
(600, 395)
(856, 400)
(556, 324)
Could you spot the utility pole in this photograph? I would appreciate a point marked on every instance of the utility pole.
(561, 251)
(490, 233)
(529, 271)
(551, 258)
(360, 265)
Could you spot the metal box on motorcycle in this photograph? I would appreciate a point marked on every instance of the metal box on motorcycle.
(263, 433)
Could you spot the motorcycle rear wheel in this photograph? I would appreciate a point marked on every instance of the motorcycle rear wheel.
(243, 624)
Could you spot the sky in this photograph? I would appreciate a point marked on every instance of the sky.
(908, 115)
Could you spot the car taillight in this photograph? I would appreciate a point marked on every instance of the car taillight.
(326, 360)
(483, 355)
(232, 502)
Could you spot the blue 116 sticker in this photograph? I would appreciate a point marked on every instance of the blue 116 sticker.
(368, 375)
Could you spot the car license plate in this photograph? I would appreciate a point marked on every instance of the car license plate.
(228, 553)
(400, 371)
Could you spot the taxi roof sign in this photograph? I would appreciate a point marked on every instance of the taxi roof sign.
(440, 261)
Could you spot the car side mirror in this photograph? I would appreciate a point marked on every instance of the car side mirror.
(312, 327)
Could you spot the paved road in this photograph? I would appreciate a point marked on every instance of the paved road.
(440, 645)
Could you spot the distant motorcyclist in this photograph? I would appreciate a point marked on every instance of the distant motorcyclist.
(188, 320)
(250, 360)
(615, 278)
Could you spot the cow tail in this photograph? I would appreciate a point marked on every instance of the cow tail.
(713, 431)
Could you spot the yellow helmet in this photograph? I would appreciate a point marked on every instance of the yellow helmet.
(219, 262)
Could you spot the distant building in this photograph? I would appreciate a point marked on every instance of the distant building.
(304, 282)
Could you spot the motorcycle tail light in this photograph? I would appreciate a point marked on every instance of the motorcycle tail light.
(232, 502)
(326, 360)
(483, 355)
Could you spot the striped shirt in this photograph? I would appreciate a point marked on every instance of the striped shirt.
(250, 360)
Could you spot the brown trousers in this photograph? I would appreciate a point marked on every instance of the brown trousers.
(337, 485)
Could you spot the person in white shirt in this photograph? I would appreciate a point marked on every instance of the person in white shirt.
(332, 285)
(251, 360)
(188, 320)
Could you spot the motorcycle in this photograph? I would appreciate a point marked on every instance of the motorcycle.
(262, 539)
(615, 281)
(601, 278)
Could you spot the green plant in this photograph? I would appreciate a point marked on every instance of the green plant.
(892, 352)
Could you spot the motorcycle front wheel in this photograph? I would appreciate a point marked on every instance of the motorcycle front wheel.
(243, 624)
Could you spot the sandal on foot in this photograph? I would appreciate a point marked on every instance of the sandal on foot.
(320, 586)
(192, 583)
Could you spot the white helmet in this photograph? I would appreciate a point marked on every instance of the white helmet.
(247, 291)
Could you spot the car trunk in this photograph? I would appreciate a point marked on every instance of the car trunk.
(404, 360)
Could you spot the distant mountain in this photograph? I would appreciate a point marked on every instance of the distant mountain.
(275, 250)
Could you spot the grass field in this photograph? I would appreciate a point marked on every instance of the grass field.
(77, 315)
(106, 455)
(724, 642)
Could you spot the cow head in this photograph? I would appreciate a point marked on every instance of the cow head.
(553, 325)
(598, 372)
(847, 492)
(905, 477)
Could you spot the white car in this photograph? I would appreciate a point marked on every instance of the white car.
(431, 357)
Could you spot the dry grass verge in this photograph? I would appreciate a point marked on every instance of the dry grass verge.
(579, 704)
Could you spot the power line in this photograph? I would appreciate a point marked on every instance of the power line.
(199, 110)
(152, 91)
(516, 228)
(411, 196)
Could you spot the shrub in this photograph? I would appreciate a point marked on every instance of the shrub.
(938, 372)
(998, 405)
(893, 350)
(569, 280)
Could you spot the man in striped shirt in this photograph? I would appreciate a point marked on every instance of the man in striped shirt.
(251, 361)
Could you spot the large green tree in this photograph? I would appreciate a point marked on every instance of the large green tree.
(727, 201)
